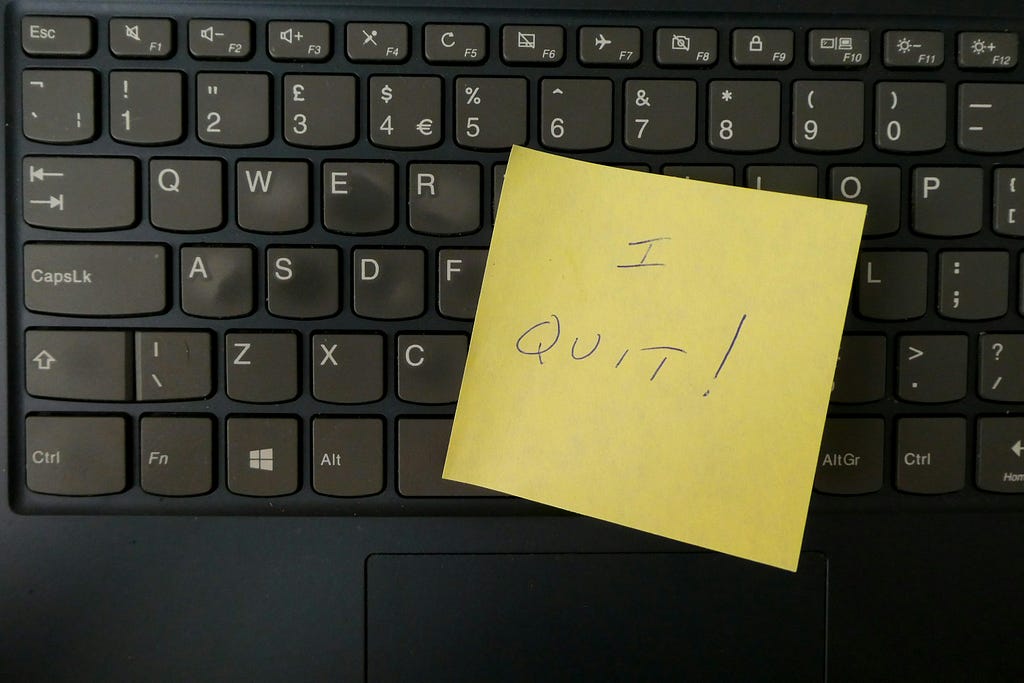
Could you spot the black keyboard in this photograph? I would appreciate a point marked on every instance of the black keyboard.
(243, 252)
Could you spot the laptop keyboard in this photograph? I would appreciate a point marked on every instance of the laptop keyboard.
(243, 252)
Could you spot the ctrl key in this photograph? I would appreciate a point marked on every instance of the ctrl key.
(850, 459)
(75, 455)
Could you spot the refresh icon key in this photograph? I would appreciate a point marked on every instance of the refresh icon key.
(453, 43)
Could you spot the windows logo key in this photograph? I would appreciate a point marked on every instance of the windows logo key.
(262, 459)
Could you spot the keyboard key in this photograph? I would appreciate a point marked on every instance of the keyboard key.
(686, 46)
(217, 282)
(910, 117)
(388, 284)
(1001, 367)
(660, 115)
(301, 41)
(987, 50)
(947, 201)
(95, 279)
(762, 47)
(366, 42)
(303, 282)
(801, 180)
(348, 456)
(233, 109)
(1001, 454)
(974, 285)
(273, 196)
(172, 365)
(58, 106)
(348, 368)
(85, 365)
(828, 116)
(609, 46)
(460, 272)
(220, 38)
(359, 197)
(146, 106)
(892, 285)
(989, 117)
(141, 38)
(913, 49)
(743, 116)
(319, 110)
(430, 367)
(60, 192)
(176, 455)
(263, 455)
(860, 369)
(532, 44)
(422, 446)
(454, 43)
(850, 459)
(1008, 212)
(75, 456)
(931, 454)
(723, 175)
(830, 48)
(186, 195)
(490, 113)
(56, 36)
(576, 114)
(262, 367)
(405, 111)
(877, 186)
(444, 199)
(932, 368)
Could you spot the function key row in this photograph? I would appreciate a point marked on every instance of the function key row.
(622, 46)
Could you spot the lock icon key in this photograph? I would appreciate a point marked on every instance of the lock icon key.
(756, 44)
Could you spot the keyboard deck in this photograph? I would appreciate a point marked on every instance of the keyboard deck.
(243, 253)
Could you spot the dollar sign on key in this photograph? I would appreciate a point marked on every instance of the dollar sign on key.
(385, 94)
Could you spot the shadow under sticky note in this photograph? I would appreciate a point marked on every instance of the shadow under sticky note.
(656, 352)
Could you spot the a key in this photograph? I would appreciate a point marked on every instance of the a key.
(388, 284)
(141, 38)
(838, 48)
(532, 44)
(947, 201)
(762, 47)
(892, 285)
(186, 195)
(319, 110)
(146, 106)
(405, 111)
(1001, 367)
(609, 45)
(989, 117)
(430, 367)
(931, 454)
(348, 368)
(58, 106)
(75, 456)
(217, 282)
(575, 113)
(422, 446)
(176, 455)
(660, 115)
(172, 365)
(910, 117)
(454, 43)
(86, 365)
(273, 196)
(490, 113)
(359, 196)
(300, 41)
(95, 279)
(233, 109)
(220, 38)
(303, 282)
(61, 192)
(43, 36)
(932, 368)
(801, 180)
(828, 116)
(348, 456)
(974, 285)
(878, 187)
(1008, 212)
(444, 199)
(860, 369)
(850, 459)
(724, 175)
(987, 50)
(379, 42)
(261, 367)
(743, 116)
(686, 46)
(1001, 454)
(460, 273)
(263, 455)
(913, 49)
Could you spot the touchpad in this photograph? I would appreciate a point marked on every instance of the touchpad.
(580, 617)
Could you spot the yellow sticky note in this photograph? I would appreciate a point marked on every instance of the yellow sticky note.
(656, 352)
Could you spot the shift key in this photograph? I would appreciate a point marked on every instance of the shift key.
(95, 279)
